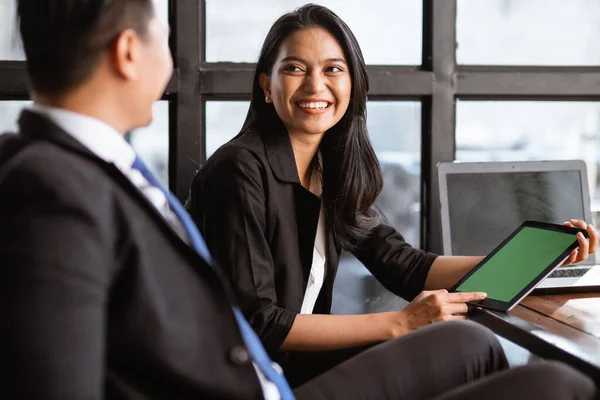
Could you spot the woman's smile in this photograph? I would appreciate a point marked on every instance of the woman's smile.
(314, 106)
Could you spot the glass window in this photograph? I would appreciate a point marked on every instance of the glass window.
(152, 142)
(10, 44)
(528, 32)
(224, 120)
(162, 8)
(527, 130)
(9, 114)
(389, 31)
(395, 130)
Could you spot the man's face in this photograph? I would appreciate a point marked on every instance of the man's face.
(155, 67)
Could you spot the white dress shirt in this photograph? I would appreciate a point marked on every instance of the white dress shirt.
(317, 270)
(105, 142)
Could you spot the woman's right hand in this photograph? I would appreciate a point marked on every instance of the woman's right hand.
(432, 306)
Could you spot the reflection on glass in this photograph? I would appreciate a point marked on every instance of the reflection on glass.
(152, 142)
(395, 130)
(528, 32)
(521, 131)
(10, 44)
(389, 31)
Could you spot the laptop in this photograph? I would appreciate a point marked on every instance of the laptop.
(483, 202)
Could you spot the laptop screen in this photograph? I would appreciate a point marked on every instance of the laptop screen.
(484, 208)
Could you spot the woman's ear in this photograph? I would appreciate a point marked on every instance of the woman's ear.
(265, 83)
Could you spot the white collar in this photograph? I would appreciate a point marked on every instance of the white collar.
(100, 138)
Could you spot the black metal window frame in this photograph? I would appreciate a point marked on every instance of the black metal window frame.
(437, 83)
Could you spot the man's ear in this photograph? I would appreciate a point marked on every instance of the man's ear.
(265, 83)
(126, 54)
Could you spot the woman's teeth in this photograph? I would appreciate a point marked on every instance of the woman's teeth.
(318, 105)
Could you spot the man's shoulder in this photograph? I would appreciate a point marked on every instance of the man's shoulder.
(10, 145)
(43, 167)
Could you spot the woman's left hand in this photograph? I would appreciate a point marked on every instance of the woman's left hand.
(586, 246)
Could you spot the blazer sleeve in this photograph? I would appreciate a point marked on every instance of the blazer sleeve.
(53, 289)
(399, 267)
(228, 204)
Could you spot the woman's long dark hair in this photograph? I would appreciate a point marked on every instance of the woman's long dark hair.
(352, 177)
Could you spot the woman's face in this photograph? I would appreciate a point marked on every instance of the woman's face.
(310, 83)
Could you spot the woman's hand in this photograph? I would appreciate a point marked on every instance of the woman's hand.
(586, 246)
(432, 306)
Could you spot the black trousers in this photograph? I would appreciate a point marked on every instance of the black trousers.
(445, 361)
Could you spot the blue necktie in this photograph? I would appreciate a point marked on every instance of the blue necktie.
(252, 341)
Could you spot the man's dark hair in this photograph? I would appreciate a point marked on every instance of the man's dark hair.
(64, 39)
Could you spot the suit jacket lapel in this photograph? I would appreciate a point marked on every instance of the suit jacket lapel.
(280, 154)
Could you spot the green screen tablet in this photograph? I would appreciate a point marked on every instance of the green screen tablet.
(519, 263)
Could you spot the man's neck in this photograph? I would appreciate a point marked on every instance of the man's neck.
(98, 108)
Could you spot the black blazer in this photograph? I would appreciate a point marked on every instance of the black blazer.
(100, 297)
(260, 225)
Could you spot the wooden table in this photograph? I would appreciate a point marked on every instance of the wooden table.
(564, 327)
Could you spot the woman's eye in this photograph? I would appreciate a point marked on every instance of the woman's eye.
(334, 69)
(292, 68)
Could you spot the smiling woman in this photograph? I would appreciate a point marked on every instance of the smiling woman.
(309, 93)
(310, 86)
(279, 202)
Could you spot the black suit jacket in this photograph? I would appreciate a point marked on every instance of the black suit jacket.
(100, 297)
(260, 224)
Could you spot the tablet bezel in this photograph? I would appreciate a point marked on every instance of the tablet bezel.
(507, 306)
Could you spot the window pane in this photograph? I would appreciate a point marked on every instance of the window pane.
(10, 44)
(521, 131)
(162, 8)
(224, 120)
(9, 114)
(528, 32)
(395, 129)
(152, 142)
(389, 31)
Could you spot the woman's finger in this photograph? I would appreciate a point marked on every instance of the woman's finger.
(578, 223)
(455, 308)
(583, 247)
(454, 317)
(571, 259)
(593, 241)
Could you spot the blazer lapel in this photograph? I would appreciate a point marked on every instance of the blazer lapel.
(280, 154)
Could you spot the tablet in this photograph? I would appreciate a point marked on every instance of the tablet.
(519, 263)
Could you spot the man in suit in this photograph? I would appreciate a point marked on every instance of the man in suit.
(107, 288)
